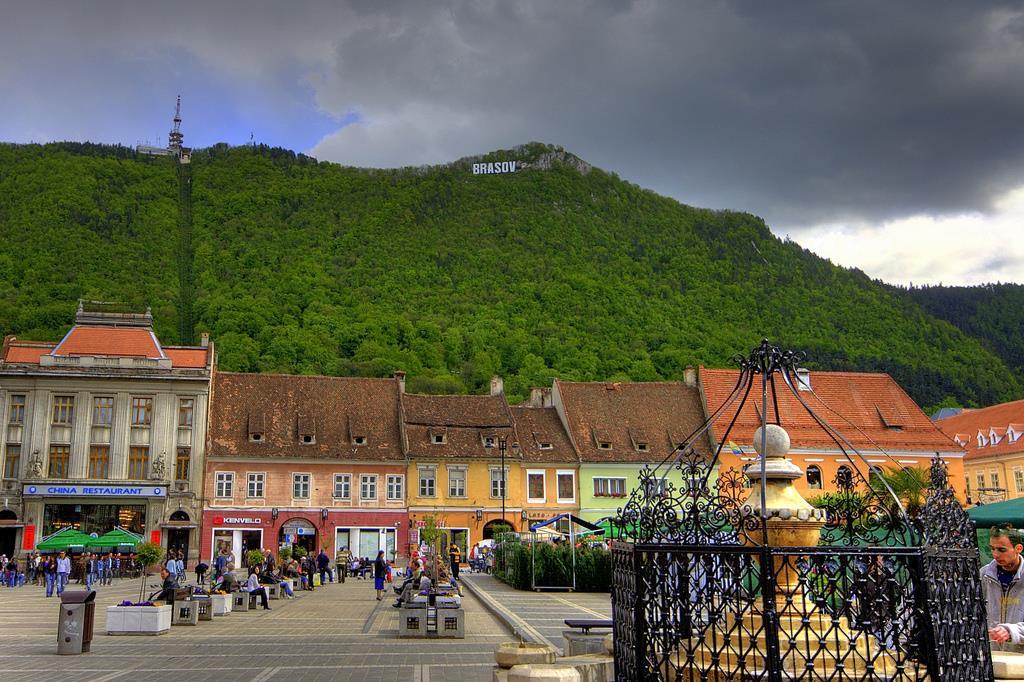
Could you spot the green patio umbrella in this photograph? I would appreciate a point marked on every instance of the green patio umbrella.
(65, 538)
(998, 513)
(116, 538)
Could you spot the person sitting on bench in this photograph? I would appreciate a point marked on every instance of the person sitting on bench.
(252, 586)
(170, 584)
(227, 580)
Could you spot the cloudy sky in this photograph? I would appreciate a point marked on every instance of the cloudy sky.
(883, 135)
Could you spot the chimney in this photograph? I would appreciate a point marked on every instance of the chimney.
(497, 386)
(803, 379)
(690, 376)
(536, 397)
(204, 340)
(400, 377)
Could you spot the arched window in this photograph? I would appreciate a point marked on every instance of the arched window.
(813, 477)
(875, 471)
(844, 477)
(180, 516)
(8, 515)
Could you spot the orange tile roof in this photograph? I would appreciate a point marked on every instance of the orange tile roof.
(873, 412)
(26, 352)
(276, 405)
(114, 341)
(190, 358)
(999, 417)
(663, 412)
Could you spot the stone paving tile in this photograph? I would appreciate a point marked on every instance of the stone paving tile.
(543, 613)
(318, 636)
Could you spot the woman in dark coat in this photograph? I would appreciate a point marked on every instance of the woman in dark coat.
(380, 572)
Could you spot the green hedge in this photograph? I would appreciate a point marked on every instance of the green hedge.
(553, 564)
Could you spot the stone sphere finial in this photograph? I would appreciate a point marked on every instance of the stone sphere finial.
(777, 441)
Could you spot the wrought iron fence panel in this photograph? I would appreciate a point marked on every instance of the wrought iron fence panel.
(717, 584)
(954, 606)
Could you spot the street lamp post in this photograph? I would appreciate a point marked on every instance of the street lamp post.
(502, 446)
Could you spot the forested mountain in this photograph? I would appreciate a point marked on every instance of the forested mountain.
(557, 269)
(992, 313)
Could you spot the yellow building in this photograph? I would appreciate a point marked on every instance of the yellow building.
(994, 465)
(455, 446)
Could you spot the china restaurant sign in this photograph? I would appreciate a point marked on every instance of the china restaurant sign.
(494, 167)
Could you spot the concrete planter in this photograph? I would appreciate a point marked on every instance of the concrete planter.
(138, 620)
(221, 604)
(512, 653)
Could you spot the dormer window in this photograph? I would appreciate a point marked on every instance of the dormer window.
(488, 441)
(438, 436)
(982, 441)
(257, 427)
(543, 445)
(892, 418)
(306, 430)
(356, 431)
(640, 440)
(603, 439)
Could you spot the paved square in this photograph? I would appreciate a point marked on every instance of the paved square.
(339, 632)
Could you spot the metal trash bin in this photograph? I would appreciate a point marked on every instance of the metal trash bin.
(74, 626)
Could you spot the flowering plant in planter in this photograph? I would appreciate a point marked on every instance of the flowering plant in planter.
(128, 602)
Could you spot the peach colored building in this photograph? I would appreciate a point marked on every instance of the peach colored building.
(994, 465)
(305, 461)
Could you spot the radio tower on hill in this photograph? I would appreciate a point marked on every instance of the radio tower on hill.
(175, 138)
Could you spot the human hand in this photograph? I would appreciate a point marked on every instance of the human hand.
(999, 634)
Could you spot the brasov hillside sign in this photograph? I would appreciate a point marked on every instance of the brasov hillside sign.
(495, 167)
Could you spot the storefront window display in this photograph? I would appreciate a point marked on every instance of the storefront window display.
(94, 518)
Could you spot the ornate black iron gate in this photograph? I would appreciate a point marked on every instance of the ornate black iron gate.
(729, 578)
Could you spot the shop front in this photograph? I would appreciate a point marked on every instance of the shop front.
(94, 508)
(234, 532)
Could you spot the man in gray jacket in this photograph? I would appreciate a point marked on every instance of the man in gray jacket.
(1002, 581)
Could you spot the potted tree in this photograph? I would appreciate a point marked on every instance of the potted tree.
(142, 617)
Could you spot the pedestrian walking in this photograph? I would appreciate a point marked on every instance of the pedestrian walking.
(49, 569)
(341, 562)
(201, 569)
(63, 572)
(91, 569)
(179, 567)
(380, 572)
(323, 565)
(455, 557)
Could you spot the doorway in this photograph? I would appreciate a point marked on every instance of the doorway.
(177, 538)
(299, 533)
(488, 531)
(8, 536)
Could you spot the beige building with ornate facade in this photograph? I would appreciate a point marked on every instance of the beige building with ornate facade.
(104, 428)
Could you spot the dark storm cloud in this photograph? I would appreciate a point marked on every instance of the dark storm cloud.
(801, 112)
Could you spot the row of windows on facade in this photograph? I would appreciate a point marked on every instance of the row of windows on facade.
(225, 483)
(256, 486)
(102, 411)
(436, 437)
(1018, 479)
(59, 459)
